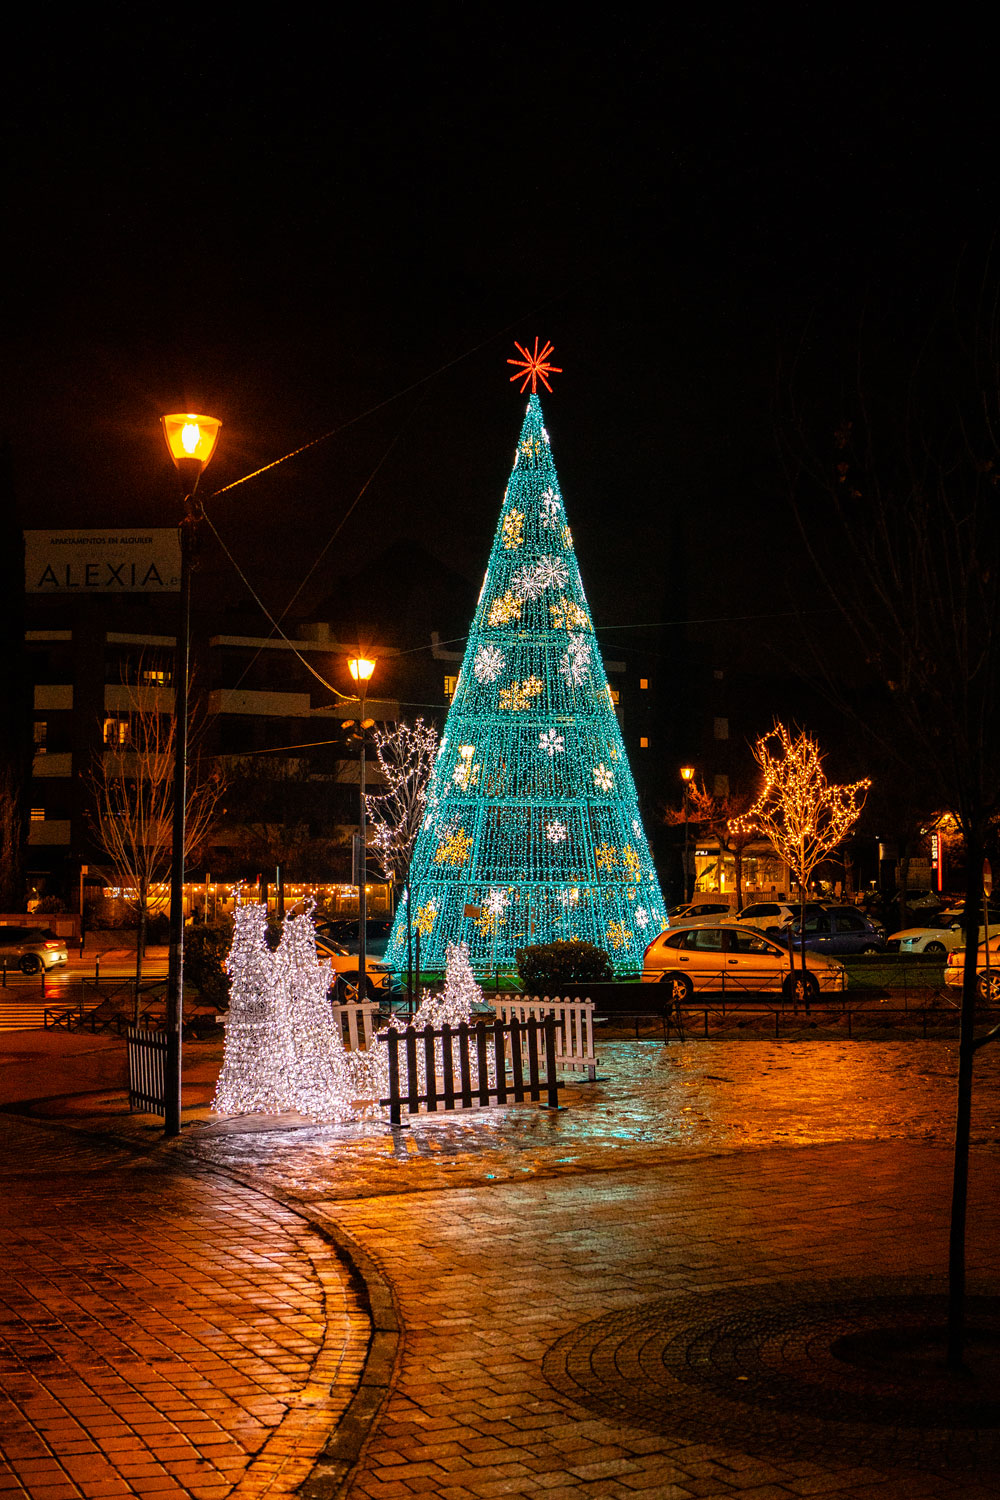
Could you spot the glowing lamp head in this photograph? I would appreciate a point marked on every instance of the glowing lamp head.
(190, 438)
(687, 773)
(361, 668)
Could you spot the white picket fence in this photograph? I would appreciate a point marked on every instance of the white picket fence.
(354, 1017)
(574, 1026)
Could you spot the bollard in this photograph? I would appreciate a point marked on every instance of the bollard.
(97, 970)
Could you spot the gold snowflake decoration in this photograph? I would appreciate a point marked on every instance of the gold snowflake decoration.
(568, 616)
(504, 609)
(424, 920)
(455, 849)
(512, 530)
(606, 856)
(567, 538)
(618, 934)
(519, 697)
(632, 862)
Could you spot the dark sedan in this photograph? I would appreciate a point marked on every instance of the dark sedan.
(836, 929)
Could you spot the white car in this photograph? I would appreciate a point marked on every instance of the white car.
(766, 914)
(931, 940)
(735, 959)
(987, 970)
(702, 911)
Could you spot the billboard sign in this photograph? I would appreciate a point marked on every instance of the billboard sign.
(102, 562)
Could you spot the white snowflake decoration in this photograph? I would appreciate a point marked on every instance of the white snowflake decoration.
(637, 828)
(550, 508)
(603, 778)
(641, 916)
(489, 663)
(496, 902)
(526, 583)
(551, 742)
(552, 572)
(556, 832)
(575, 662)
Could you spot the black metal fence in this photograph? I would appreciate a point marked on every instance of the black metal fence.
(458, 1067)
(147, 1056)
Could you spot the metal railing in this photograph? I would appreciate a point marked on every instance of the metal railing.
(147, 1055)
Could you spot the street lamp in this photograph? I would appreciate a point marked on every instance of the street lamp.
(361, 669)
(191, 442)
(687, 776)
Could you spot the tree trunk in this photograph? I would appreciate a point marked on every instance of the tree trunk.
(140, 953)
(963, 1111)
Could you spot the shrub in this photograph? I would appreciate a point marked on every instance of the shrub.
(545, 966)
(205, 949)
(53, 904)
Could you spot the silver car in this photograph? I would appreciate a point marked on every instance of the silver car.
(34, 950)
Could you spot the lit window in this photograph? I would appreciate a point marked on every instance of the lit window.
(722, 729)
(40, 734)
(153, 678)
(643, 743)
(116, 732)
(450, 684)
(38, 814)
(614, 695)
(644, 682)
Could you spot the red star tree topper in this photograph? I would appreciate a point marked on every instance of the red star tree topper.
(534, 367)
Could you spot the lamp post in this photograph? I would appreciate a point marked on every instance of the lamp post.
(361, 669)
(687, 776)
(191, 442)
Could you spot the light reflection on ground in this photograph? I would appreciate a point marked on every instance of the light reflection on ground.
(657, 1100)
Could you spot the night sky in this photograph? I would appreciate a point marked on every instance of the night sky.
(309, 225)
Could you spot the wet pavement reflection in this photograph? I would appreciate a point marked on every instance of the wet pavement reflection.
(651, 1100)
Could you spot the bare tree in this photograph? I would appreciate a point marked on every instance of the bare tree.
(804, 817)
(726, 819)
(131, 787)
(405, 758)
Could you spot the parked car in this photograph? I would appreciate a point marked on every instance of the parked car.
(345, 931)
(33, 949)
(766, 915)
(733, 956)
(917, 900)
(934, 939)
(701, 911)
(835, 929)
(987, 970)
(345, 964)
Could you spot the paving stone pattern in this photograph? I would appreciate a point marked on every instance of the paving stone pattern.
(161, 1332)
(489, 1280)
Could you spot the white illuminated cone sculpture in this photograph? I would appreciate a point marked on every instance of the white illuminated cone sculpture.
(258, 1064)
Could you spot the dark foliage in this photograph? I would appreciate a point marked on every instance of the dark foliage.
(552, 964)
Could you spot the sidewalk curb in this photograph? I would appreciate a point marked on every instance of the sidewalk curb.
(344, 1448)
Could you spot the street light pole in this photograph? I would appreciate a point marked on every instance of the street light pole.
(191, 441)
(687, 774)
(361, 670)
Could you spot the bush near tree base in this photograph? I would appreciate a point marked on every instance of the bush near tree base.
(545, 965)
(205, 950)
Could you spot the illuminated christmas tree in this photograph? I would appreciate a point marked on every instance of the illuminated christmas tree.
(531, 830)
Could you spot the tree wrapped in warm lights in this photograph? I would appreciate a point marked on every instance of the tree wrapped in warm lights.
(531, 830)
(804, 816)
(405, 757)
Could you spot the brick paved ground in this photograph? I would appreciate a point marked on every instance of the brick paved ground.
(700, 1172)
(161, 1332)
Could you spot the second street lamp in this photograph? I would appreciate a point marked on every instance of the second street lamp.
(687, 776)
(361, 669)
(191, 441)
